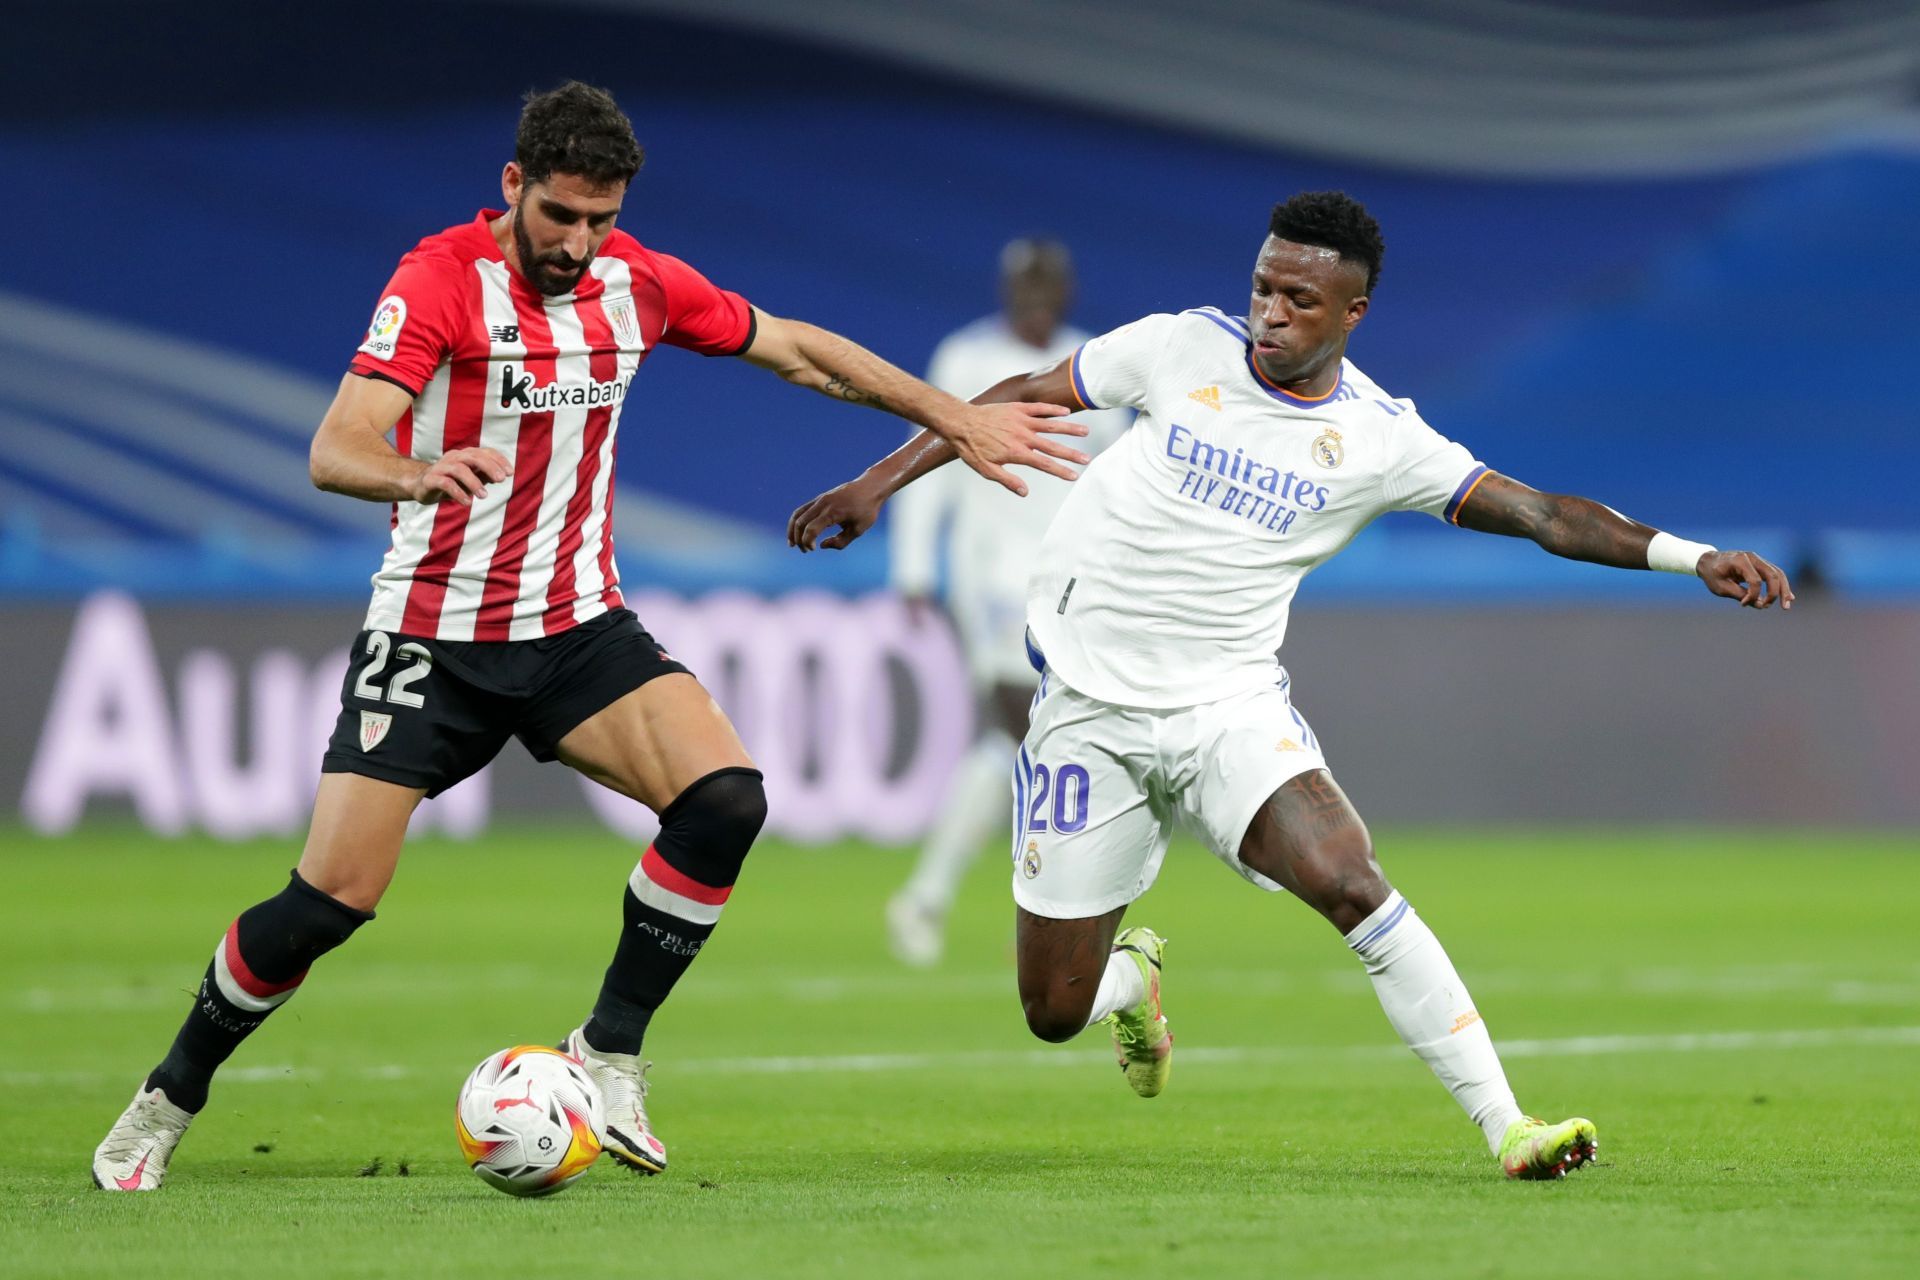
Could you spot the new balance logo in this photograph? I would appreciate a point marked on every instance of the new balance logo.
(504, 332)
(1208, 396)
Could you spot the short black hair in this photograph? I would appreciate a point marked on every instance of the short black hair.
(1332, 220)
(576, 129)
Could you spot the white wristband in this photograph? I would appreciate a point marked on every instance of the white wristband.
(1668, 554)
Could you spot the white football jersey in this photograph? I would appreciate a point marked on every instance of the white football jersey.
(996, 536)
(1167, 577)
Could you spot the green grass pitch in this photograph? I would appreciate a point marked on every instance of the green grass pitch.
(1740, 1015)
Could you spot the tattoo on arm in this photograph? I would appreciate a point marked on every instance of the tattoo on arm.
(1580, 529)
(842, 389)
(1570, 527)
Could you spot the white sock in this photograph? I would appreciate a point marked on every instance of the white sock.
(976, 808)
(1429, 1006)
(1121, 986)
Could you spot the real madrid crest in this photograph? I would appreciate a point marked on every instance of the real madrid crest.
(1327, 449)
(1030, 864)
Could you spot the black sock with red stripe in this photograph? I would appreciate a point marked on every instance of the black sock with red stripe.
(256, 968)
(673, 901)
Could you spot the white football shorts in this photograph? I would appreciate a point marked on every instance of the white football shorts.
(1097, 789)
(993, 635)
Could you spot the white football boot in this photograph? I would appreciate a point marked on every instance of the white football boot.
(622, 1078)
(134, 1155)
(916, 934)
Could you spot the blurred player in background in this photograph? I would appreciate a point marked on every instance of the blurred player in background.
(1157, 605)
(499, 358)
(991, 538)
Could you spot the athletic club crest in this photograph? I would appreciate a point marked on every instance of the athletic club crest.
(624, 321)
(373, 728)
(1327, 449)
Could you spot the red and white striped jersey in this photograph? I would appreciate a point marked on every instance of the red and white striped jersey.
(491, 361)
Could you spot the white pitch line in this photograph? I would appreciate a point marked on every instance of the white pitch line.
(1895, 985)
(1568, 1047)
(1575, 1046)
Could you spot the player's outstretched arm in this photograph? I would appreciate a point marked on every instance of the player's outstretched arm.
(351, 454)
(1581, 529)
(987, 436)
(854, 506)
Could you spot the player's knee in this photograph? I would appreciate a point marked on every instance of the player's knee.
(1056, 1010)
(357, 893)
(708, 829)
(1345, 882)
(1050, 1021)
(279, 938)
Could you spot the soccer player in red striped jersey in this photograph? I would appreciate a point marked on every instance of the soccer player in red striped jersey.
(498, 360)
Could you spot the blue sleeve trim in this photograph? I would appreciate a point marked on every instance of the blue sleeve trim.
(1452, 513)
(1079, 383)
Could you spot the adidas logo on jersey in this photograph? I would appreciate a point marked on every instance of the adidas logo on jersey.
(1208, 396)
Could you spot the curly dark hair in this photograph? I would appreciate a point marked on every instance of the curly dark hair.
(576, 129)
(1332, 220)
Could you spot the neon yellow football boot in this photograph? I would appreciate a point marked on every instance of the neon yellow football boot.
(1140, 1036)
(1535, 1149)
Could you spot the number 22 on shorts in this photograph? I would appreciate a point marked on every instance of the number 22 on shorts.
(399, 689)
(1068, 787)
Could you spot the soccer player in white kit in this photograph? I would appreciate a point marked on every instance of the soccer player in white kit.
(990, 540)
(1158, 601)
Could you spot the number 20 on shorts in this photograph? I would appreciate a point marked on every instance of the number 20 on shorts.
(1068, 786)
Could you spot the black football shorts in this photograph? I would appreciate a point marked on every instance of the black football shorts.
(430, 713)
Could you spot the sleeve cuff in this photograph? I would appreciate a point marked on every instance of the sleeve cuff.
(383, 377)
(753, 331)
(1473, 478)
(1079, 383)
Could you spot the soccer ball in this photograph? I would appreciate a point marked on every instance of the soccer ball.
(530, 1120)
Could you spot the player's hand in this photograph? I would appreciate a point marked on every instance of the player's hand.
(853, 506)
(1744, 576)
(991, 437)
(461, 475)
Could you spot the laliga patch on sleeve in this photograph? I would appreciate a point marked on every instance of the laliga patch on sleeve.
(384, 333)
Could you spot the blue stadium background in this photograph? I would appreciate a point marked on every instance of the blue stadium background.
(205, 206)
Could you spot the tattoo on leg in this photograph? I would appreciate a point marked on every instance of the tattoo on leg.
(1312, 809)
(1310, 841)
(1058, 950)
(1069, 952)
